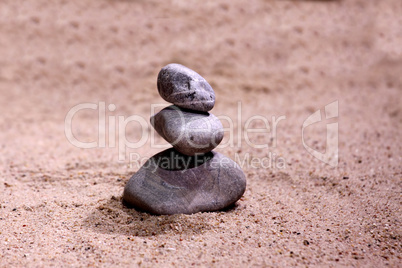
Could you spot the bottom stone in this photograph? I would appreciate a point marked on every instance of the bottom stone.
(173, 183)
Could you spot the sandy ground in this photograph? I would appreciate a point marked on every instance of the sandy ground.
(61, 204)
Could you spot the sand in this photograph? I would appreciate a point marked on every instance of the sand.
(274, 61)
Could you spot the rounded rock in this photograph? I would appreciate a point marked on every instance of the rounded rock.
(185, 88)
(189, 132)
(173, 183)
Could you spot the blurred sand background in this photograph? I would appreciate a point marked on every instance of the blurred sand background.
(61, 205)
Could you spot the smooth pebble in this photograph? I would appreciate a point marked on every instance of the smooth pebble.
(172, 183)
(185, 88)
(189, 132)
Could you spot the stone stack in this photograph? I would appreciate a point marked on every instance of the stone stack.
(189, 177)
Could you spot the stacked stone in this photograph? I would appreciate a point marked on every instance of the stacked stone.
(189, 177)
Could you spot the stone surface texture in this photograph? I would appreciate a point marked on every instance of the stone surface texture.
(185, 88)
(189, 132)
(162, 186)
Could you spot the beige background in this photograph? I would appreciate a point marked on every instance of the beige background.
(60, 205)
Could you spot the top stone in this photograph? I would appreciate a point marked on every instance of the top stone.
(185, 88)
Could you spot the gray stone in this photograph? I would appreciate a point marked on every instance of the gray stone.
(173, 183)
(185, 88)
(189, 132)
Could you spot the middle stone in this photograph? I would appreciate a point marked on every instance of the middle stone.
(189, 132)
